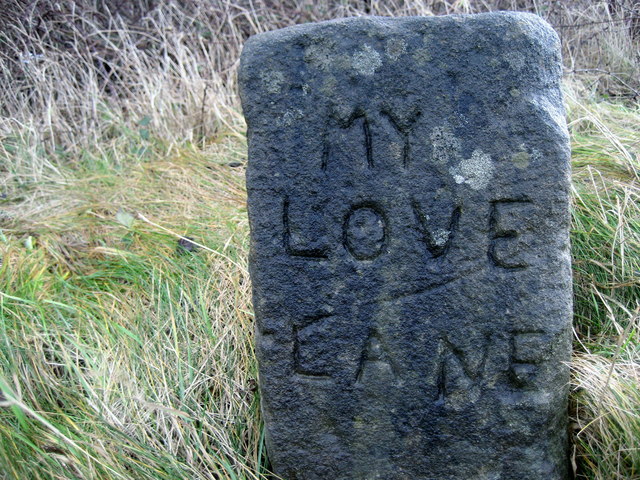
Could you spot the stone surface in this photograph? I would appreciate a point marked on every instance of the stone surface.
(408, 185)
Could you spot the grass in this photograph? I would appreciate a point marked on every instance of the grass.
(606, 402)
(126, 350)
(124, 354)
(606, 212)
(606, 264)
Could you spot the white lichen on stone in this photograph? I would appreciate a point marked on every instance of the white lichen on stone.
(525, 155)
(422, 55)
(273, 81)
(536, 155)
(329, 85)
(446, 146)
(366, 61)
(395, 48)
(318, 56)
(440, 237)
(476, 171)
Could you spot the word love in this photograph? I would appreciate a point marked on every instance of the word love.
(366, 227)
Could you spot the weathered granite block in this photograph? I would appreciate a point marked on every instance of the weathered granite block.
(408, 190)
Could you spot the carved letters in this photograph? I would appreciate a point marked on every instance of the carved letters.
(366, 231)
(291, 246)
(376, 361)
(508, 221)
(459, 367)
(366, 228)
(436, 242)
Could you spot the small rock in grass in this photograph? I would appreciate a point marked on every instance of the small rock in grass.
(185, 244)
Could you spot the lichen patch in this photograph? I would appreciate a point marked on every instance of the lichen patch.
(422, 56)
(366, 61)
(273, 81)
(440, 237)
(290, 117)
(395, 48)
(476, 171)
(521, 159)
(319, 56)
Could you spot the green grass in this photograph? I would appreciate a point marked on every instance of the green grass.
(606, 214)
(606, 266)
(122, 354)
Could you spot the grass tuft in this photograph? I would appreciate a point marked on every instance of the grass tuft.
(606, 212)
(122, 354)
(606, 399)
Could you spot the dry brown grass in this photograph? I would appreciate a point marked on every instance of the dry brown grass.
(73, 73)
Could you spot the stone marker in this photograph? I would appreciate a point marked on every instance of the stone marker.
(408, 185)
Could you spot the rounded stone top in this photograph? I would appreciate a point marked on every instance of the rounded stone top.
(520, 23)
